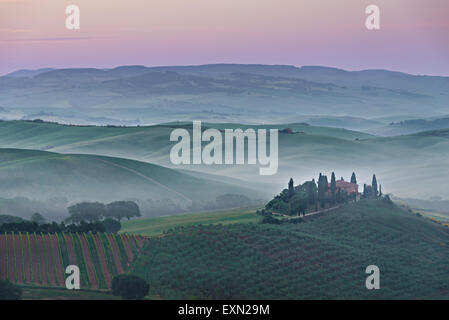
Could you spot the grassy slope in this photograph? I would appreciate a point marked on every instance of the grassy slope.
(398, 161)
(322, 258)
(157, 226)
(40, 174)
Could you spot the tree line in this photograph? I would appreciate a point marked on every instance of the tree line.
(107, 225)
(96, 211)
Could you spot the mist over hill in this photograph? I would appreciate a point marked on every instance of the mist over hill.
(219, 93)
(407, 166)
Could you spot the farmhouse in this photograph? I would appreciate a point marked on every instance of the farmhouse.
(346, 186)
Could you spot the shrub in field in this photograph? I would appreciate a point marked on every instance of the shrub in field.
(111, 225)
(129, 287)
(9, 291)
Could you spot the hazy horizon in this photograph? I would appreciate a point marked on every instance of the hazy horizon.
(219, 63)
(412, 36)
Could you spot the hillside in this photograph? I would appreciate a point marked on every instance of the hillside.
(41, 259)
(323, 258)
(45, 175)
(227, 93)
(411, 126)
(399, 161)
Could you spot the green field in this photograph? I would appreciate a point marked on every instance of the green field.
(323, 258)
(41, 293)
(157, 226)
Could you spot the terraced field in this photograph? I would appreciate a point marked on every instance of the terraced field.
(41, 259)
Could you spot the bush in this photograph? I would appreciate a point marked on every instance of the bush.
(111, 225)
(129, 287)
(9, 291)
(270, 220)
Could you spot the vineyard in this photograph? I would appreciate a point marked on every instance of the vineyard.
(41, 259)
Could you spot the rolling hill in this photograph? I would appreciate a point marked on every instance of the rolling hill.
(226, 93)
(407, 166)
(44, 175)
(322, 258)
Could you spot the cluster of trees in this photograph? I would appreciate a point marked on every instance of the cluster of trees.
(107, 225)
(310, 196)
(96, 211)
(372, 191)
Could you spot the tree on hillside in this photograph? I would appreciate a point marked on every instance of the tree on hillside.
(322, 189)
(291, 188)
(333, 187)
(298, 203)
(374, 186)
(38, 218)
(9, 291)
(86, 211)
(111, 225)
(129, 287)
(122, 209)
(353, 178)
(311, 190)
(380, 190)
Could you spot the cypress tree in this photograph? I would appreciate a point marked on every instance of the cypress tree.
(333, 186)
(291, 188)
(374, 185)
(353, 178)
(380, 190)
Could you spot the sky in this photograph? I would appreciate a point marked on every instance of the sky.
(413, 35)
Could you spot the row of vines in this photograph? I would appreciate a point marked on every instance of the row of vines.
(41, 259)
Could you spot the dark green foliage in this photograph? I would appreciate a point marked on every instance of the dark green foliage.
(86, 211)
(291, 188)
(353, 178)
(270, 220)
(308, 197)
(333, 187)
(111, 225)
(129, 287)
(323, 258)
(375, 192)
(122, 209)
(28, 226)
(9, 291)
(298, 203)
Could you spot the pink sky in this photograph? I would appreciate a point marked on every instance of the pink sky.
(414, 35)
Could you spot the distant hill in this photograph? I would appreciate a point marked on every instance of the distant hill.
(223, 92)
(411, 126)
(26, 73)
(46, 175)
(322, 258)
